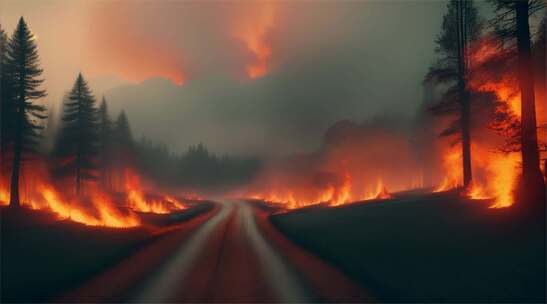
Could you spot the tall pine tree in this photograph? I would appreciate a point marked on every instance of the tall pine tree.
(124, 151)
(6, 108)
(105, 139)
(513, 27)
(123, 133)
(23, 70)
(461, 25)
(78, 139)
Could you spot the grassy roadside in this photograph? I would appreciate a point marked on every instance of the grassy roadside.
(433, 247)
(41, 256)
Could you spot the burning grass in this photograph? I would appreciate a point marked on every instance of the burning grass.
(96, 206)
(359, 162)
(330, 195)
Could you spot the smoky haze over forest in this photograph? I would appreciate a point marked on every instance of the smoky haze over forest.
(325, 62)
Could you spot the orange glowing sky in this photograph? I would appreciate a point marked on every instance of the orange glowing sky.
(240, 57)
(128, 41)
(119, 39)
(253, 33)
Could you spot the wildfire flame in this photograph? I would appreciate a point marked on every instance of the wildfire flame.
(331, 195)
(381, 192)
(4, 195)
(138, 202)
(97, 210)
(452, 165)
(495, 172)
(500, 170)
(96, 207)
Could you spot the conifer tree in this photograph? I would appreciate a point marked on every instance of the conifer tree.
(122, 132)
(50, 129)
(6, 108)
(105, 142)
(78, 139)
(461, 25)
(23, 74)
(123, 148)
(513, 27)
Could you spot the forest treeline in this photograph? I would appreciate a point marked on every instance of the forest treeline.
(197, 168)
(86, 145)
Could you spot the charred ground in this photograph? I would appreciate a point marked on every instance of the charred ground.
(428, 248)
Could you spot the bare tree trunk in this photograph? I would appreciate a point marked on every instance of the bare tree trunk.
(16, 165)
(466, 140)
(464, 96)
(533, 185)
(78, 173)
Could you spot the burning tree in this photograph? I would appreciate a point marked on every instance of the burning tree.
(539, 56)
(22, 71)
(77, 141)
(461, 25)
(512, 25)
(84, 142)
(6, 108)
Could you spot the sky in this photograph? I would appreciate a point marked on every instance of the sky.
(243, 77)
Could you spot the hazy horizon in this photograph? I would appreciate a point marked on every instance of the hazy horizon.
(244, 77)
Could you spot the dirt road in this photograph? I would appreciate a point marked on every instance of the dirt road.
(232, 254)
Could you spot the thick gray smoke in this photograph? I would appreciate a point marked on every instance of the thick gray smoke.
(329, 61)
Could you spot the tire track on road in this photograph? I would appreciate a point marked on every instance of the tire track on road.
(166, 281)
(281, 277)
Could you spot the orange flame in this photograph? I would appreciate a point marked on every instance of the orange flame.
(452, 165)
(100, 212)
(138, 202)
(4, 195)
(380, 193)
(499, 170)
(93, 208)
(499, 173)
(331, 194)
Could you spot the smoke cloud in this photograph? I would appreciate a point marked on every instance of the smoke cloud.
(241, 77)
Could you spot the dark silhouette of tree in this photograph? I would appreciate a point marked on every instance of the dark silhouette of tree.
(48, 134)
(122, 131)
(461, 25)
(197, 168)
(539, 54)
(77, 141)
(200, 162)
(123, 146)
(6, 104)
(22, 65)
(105, 139)
(512, 25)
